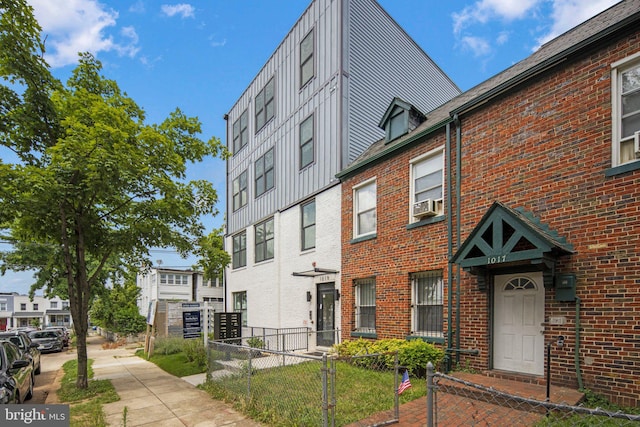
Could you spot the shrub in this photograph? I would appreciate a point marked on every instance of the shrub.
(168, 345)
(413, 354)
(195, 352)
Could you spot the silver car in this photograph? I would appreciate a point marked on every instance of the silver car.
(48, 341)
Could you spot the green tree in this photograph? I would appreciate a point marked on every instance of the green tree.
(115, 308)
(94, 187)
(212, 258)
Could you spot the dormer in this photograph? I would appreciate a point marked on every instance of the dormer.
(400, 119)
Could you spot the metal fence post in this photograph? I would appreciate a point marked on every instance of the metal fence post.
(396, 403)
(325, 392)
(249, 376)
(429, 394)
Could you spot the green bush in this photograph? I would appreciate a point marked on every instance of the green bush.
(413, 354)
(195, 352)
(168, 345)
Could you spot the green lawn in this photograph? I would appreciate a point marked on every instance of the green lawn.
(176, 364)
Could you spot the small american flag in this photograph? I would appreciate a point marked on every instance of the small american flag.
(405, 384)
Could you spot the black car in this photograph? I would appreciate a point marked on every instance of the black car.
(26, 346)
(48, 341)
(16, 375)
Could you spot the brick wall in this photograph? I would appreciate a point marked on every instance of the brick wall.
(545, 148)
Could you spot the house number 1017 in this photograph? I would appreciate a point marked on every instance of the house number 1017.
(496, 259)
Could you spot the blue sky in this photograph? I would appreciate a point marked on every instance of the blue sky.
(201, 54)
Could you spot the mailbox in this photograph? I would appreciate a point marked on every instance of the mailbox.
(565, 287)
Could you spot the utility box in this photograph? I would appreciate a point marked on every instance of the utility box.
(565, 287)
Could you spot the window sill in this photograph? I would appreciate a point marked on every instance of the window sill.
(431, 220)
(364, 238)
(627, 167)
(372, 335)
(432, 340)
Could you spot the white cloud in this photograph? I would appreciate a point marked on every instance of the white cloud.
(183, 9)
(477, 45)
(569, 13)
(75, 26)
(137, 7)
(483, 11)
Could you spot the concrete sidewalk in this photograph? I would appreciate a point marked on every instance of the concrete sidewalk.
(153, 397)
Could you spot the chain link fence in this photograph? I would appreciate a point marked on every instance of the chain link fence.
(295, 389)
(455, 402)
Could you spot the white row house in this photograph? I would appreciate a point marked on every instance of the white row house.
(18, 311)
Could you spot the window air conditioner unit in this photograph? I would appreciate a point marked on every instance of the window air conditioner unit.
(424, 208)
(636, 144)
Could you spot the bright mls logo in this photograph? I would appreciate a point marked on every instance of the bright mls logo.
(34, 415)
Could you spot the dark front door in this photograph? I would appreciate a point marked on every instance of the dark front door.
(326, 314)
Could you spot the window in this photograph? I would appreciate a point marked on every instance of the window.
(366, 305)
(308, 225)
(35, 306)
(3, 306)
(23, 307)
(239, 258)
(240, 191)
(306, 142)
(264, 240)
(306, 59)
(626, 110)
(427, 184)
(398, 123)
(264, 105)
(65, 305)
(427, 290)
(54, 304)
(364, 199)
(264, 173)
(240, 132)
(240, 305)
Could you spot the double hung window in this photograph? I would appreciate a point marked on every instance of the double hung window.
(366, 305)
(427, 304)
(364, 199)
(626, 110)
(239, 191)
(264, 106)
(308, 226)
(264, 173)
(239, 257)
(264, 238)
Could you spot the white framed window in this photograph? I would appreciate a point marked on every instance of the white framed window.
(54, 304)
(163, 279)
(3, 306)
(308, 225)
(240, 305)
(306, 59)
(264, 240)
(625, 98)
(427, 185)
(65, 305)
(306, 142)
(241, 132)
(364, 208)
(427, 290)
(264, 105)
(239, 191)
(239, 257)
(264, 173)
(365, 305)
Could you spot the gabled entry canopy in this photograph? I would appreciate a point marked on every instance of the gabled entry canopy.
(507, 237)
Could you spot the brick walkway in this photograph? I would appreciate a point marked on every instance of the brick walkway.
(454, 410)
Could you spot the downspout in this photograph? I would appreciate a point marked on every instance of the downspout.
(449, 245)
(576, 354)
(456, 121)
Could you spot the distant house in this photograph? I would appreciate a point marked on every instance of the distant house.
(40, 311)
(508, 221)
(164, 284)
(307, 114)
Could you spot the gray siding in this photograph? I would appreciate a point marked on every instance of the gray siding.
(362, 61)
(383, 62)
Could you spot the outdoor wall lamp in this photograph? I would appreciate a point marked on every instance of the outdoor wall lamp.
(308, 296)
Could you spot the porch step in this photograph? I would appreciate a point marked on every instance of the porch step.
(529, 387)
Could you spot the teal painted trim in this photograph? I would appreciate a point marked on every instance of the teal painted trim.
(392, 148)
(364, 238)
(449, 245)
(432, 220)
(618, 170)
(430, 340)
(364, 334)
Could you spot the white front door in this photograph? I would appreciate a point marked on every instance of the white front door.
(519, 313)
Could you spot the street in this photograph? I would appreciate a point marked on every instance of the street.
(51, 363)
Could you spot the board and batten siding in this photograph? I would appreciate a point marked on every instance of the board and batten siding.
(293, 104)
(383, 62)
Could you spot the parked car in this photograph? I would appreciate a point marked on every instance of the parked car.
(26, 346)
(16, 375)
(48, 341)
(63, 331)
